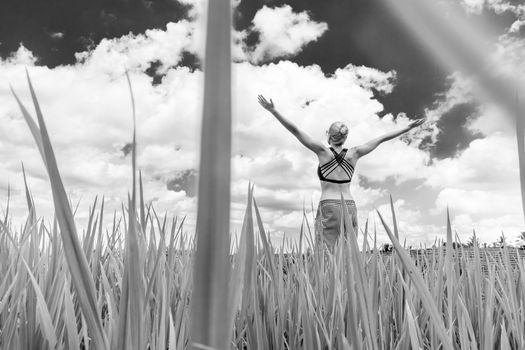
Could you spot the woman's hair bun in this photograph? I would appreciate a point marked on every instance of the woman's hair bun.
(337, 133)
(343, 130)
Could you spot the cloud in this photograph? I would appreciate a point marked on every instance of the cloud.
(281, 33)
(487, 164)
(185, 181)
(112, 56)
(499, 6)
(22, 57)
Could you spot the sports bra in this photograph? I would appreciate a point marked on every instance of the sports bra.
(339, 161)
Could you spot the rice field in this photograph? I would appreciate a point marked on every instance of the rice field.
(356, 298)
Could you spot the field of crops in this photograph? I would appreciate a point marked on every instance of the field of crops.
(142, 284)
(355, 298)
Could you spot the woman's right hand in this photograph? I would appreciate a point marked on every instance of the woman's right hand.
(269, 106)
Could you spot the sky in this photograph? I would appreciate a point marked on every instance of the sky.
(320, 62)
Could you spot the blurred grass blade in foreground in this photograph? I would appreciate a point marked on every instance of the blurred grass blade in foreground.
(520, 135)
(209, 307)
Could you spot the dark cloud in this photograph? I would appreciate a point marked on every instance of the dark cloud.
(454, 135)
(55, 30)
(185, 181)
(157, 71)
(128, 147)
(153, 71)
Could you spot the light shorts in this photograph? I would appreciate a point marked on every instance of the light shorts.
(328, 220)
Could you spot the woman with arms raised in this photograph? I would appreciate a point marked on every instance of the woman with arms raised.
(335, 170)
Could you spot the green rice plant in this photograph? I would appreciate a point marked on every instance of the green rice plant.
(283, 300)
(77, 261)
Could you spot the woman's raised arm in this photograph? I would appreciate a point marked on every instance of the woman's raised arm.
(306, 140)
(372, 144)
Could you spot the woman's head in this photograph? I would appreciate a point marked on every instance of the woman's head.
(337, 134)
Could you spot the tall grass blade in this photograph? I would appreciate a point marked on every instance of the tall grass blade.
(450, 277)
(241, 279)
(520, 135)
(33, 127)
(264, 238)
(134, 261)
(212, 266)
(76, 260)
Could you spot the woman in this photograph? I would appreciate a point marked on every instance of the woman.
(335, 170)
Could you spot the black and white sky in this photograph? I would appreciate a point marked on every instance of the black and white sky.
(320, 61)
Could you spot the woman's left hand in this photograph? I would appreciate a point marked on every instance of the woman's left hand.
(416, 123)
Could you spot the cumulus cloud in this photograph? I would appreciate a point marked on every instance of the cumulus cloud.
(282, 33)
(112, 56)
(22, 57)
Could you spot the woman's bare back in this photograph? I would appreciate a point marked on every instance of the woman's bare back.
(331, 190)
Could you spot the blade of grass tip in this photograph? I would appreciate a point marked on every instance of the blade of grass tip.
(134, 263)
(141, 203)
(87, 238)
(520, 135)
(313, 210)
(209, 307)
(35, 131)
(98, 249)
(396, 233)
(309, 236)
(298, 245)
(242, 270)
(262, 233)
(28, 193)
(450, 277)
(428, 302)
(77, 262)
(6, 216)
(250, 262)
(76, 206)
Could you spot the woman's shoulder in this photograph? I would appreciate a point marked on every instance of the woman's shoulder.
(324, 153)
(352, 153)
